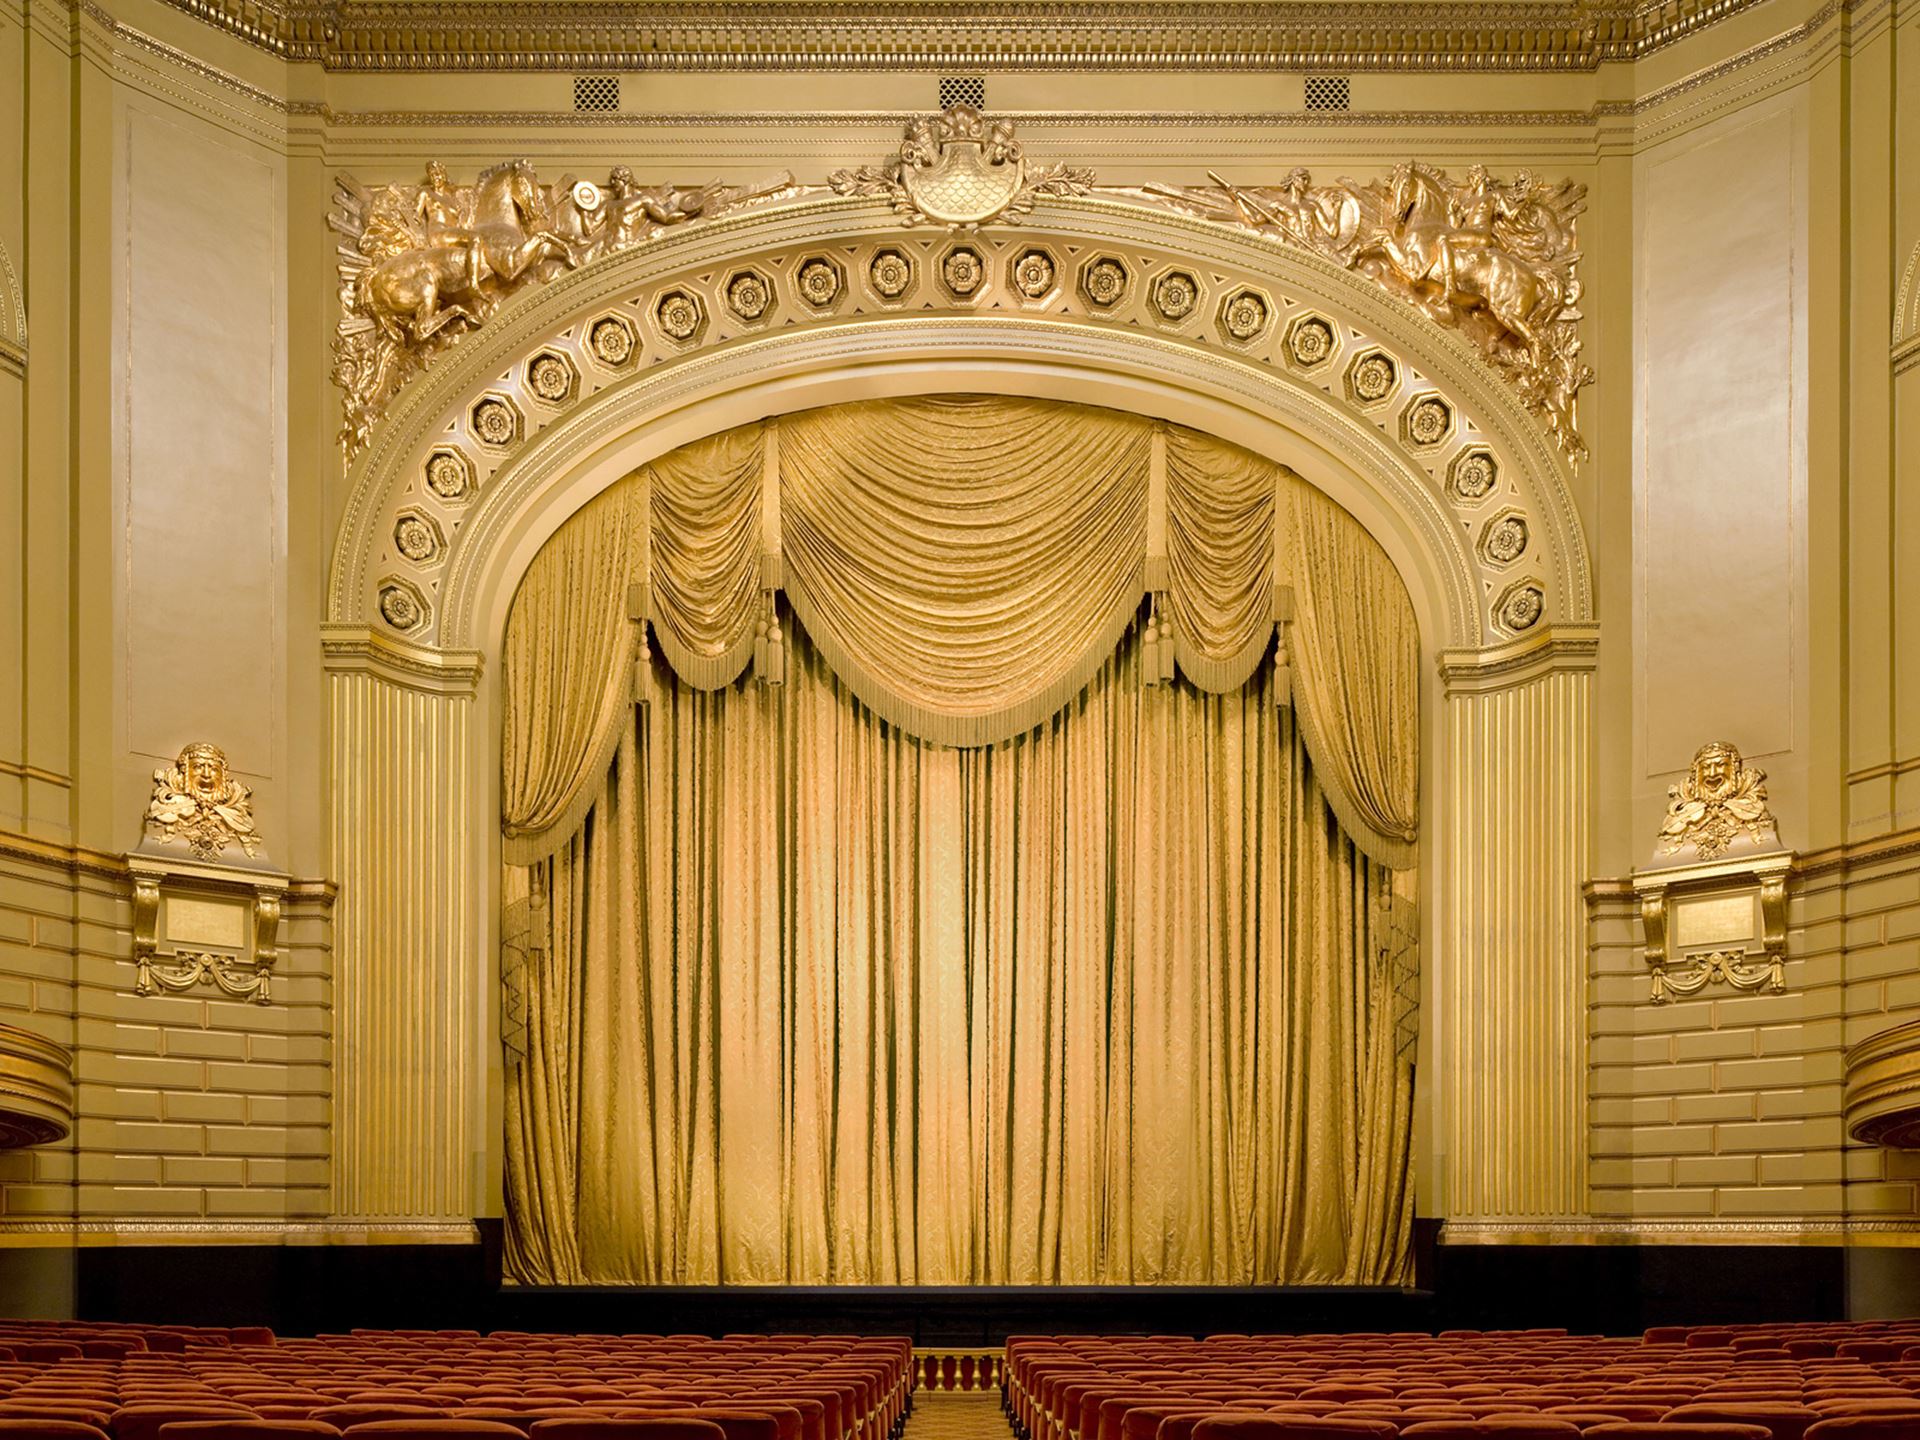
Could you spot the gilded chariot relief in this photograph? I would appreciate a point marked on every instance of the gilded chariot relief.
(423, 265)
(1492, 259)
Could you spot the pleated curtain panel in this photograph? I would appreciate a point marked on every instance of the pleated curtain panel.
(956, 841)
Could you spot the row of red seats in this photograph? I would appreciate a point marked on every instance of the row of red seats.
(1811, 1382)
(72, 1382)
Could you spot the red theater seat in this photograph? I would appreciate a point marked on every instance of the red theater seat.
(1677, 1430)
(143, 1421)
(38, 1429)
(666, 1427)
(439, 1428)
(1305, 1427)
(248, 1430)
(1783, 1419)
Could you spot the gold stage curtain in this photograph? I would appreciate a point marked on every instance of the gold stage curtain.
(823, 1002)
(1221, 504)
(965, 563)
(1356, 652)
(565, 656)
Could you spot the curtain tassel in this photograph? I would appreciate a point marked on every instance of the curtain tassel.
(642, 665)
(770, 647)
(1282, 669)
(1156, 645)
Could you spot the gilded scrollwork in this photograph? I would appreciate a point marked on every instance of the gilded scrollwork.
(422, 265)
(196, 800)
(1721, 799)
(1493, 259)
(961, 170)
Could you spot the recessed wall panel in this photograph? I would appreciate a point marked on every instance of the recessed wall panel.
(1721, 458)
(202, 457)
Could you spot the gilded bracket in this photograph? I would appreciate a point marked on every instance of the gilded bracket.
(243, 975)
(1722, 923)
(198, 919)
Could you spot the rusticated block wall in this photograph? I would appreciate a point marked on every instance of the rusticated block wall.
(1725, 1108)
(191, 1109)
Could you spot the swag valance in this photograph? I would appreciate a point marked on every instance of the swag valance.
(965, 564)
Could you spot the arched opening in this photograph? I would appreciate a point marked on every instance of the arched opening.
(1032, 686)
(1483, 710)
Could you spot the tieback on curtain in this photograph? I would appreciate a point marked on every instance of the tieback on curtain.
(964, 564)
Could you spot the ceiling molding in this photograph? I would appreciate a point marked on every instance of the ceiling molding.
(1076, 35)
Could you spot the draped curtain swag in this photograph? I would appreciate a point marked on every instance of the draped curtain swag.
(965, 565)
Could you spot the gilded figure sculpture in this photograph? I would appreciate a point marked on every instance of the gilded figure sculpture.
(1493, 259)
(425, 264)
(1721, 799)
(197, 801)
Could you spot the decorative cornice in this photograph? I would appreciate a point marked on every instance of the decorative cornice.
(838, 122)
(1836, 861)
(1555, 647)
(1602, 1231)
(355, 648)
(75, 859)
(1898, 845)
(1080, 35)
(79, 859)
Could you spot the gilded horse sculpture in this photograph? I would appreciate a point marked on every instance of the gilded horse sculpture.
(1495, 260)
(1443, 251)
(414, 291)
(425, 264)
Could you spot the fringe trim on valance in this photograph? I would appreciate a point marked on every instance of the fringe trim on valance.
(708, 672)
(1220, 675)
(939, 727)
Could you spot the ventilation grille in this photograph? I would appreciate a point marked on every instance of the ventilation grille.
(1329, 92)
(963, 90)
(596, 92)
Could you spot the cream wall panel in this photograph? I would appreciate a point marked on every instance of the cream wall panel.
(1720, 454)
(1904, 440)
(13, 93)
(45, 696)
(13, 601)
(407, 1005)
(201, 446)
(1512, 984)
(1872, 519)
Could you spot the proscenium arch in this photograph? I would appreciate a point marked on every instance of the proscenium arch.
(1348, 449)
(565, 453)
